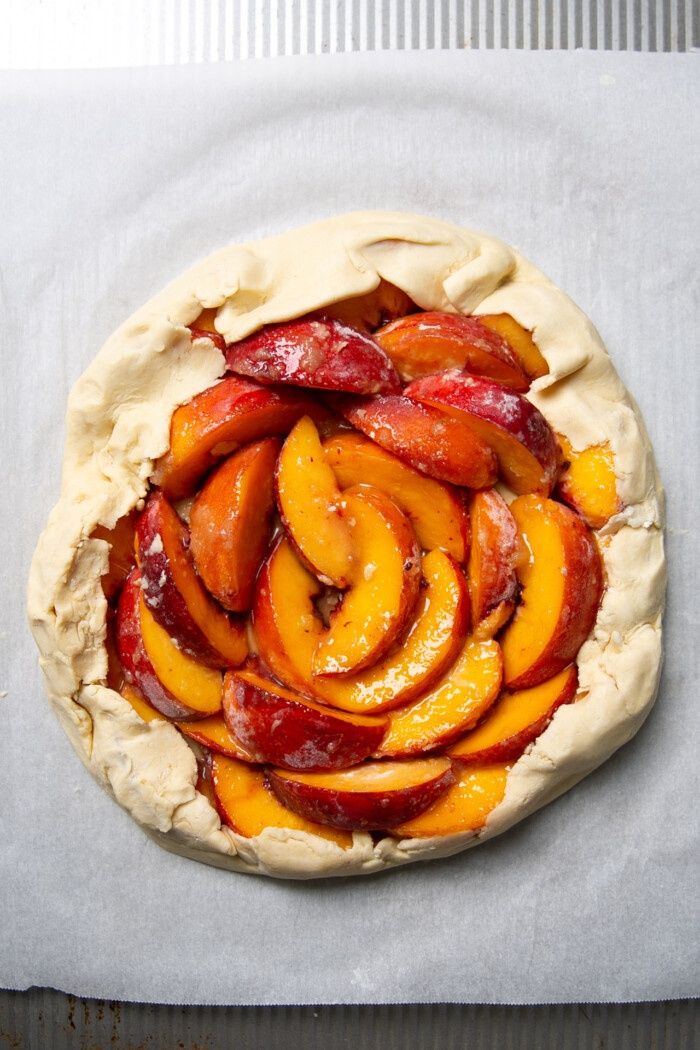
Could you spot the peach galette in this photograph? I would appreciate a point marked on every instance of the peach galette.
(359, 555)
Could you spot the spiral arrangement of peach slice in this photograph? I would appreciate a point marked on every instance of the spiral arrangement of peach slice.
(329, 595)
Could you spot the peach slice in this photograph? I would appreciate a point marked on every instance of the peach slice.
(137, 667)
(368, 797)
(527, 451)
(213, 733)
(438, 717)
(520, 341)
(515, 720)
(191, 683)
(314, 352)
(287, 626)
(368, 312)
(562, 583)
(464, 807)
(311, 507)
(140, 705)
(248, 806)
(230, 523)
(427, 438)
(384, 586)
(495, 552)
(122, 557)
(221, 419)
(277, 726)
(424, 343)
(288, 630)
(174, 593)
(204, 329)
(435, 510)
(587, 483)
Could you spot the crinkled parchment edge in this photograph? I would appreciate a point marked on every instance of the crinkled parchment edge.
(118, 424)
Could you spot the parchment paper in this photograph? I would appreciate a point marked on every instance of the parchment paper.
(112, 184)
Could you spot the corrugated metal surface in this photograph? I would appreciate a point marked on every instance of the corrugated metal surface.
(81, 33)
(47, 1020)
(35, 34)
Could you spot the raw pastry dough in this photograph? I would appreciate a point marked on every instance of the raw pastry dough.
(118, 424)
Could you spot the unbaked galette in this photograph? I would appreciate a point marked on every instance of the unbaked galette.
(358, 558)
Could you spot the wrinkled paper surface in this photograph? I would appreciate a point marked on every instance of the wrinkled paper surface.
(115, 182)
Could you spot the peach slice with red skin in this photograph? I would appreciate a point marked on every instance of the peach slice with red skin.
(193, 684)
(175, 595)
(213, 733)
(218, 421)
(520, 340)
(438, 717)
(527, 450)
(121, 555)
(425, 437)
(136, 665)
(230, 523)
(209, 333)
(247, 805)
(311, 507)
(515, 721)
(367, 797)
(562, 583)
(495, 552)
(314, 352)
(367, 312)
(465, 806)
(280, 727)
(429, 342)
(289, 629)
(587, 482)
(436, 510)
(383, 589)
(140, 705)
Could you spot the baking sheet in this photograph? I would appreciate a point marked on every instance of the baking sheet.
(117, 182)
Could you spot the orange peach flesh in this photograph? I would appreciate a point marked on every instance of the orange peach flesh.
(206, 322)
(311, 507)
(248, 806)
(521, 342)
(464, 807)
(561, 588)
(229, 523)
(515, 720)
(588, 483)
(384, 590)
(289, 630)
(435, 510)
(457, 702)
(190, 682)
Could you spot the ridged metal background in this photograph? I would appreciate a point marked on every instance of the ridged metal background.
(96, 33)
(36, 34)
(46, 1020)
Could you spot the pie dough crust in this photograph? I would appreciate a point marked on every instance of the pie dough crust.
(118, 424)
